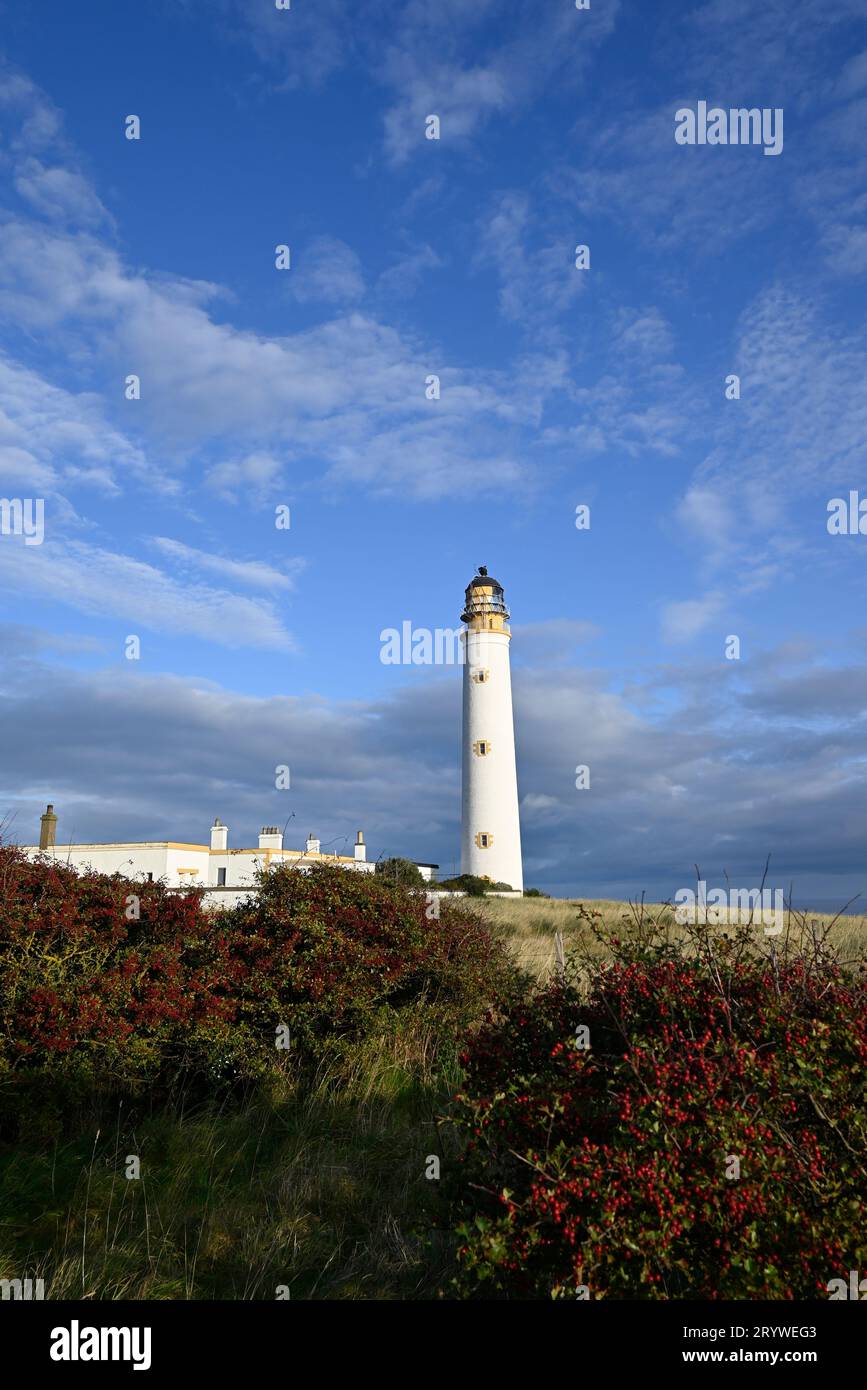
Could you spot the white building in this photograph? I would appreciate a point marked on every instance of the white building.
(227, 874)
(490, 829)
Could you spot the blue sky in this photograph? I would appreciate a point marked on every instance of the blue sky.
(306, 387)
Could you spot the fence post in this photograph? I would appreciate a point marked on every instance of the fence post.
(559, 954)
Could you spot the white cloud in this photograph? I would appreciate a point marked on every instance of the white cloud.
(52, 436)
(634, 173)
(802, 416)
(645, 332)
(846, 248)
(57, 190)
(106, 584)
(350, 391)
(256, 476)
(615, 420)
(463, 60)
(326, 272)
(853, 76)
(255, 574)
(704, 515)
(59, 193)
(37, 122)
(687, 619)
(461, 98)
(777, 45)
(402, 279)
(539, 281)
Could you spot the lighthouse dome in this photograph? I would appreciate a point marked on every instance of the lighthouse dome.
(484, 596)
(483, 579)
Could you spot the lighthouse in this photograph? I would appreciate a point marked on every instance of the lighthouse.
(491, 829)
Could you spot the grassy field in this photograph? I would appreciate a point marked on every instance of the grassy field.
(529, 925)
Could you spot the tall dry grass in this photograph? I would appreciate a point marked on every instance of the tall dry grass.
(529, 926)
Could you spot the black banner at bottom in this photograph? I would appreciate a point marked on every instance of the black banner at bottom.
(160, 1338)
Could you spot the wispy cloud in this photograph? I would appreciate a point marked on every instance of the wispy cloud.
(349, 389)
(404, 277)
(254, 574)
(539, 281)
(101, 582)
(684, 620)
(327, 272)
(258, 477)
(447, 61)
(51, 437)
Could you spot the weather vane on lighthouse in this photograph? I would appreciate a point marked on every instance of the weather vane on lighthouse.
(491, 829)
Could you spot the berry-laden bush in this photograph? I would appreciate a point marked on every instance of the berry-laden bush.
(97, 987)
(674, 1121)
(326, 952)
(106, 995)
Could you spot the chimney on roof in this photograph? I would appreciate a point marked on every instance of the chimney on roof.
(48, 828)
(219, 835)
(270, 837)
(360, 848)
(312, 846)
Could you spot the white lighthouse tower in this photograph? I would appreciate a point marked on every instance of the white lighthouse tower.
(491, 830)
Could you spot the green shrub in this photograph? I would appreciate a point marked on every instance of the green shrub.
(473, 885)
(401, 871)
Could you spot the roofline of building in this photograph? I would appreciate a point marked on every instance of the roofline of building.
(203, 849)
(122, 844)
